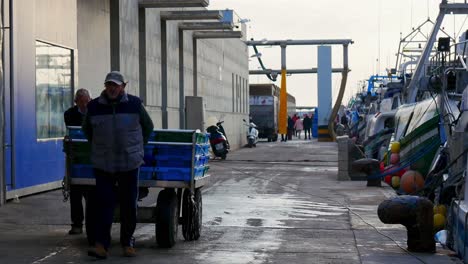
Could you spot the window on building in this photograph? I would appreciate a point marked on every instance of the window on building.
(54, 88)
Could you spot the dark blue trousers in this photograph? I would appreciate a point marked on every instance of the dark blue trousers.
(77, 193)
(121, 187)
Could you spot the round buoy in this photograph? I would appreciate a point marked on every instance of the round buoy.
(440, 209)
(411, 182)
(401, 172)
(382, 166)
(439, 222)
(395, 147)
(394, 158)
(396, 182)
(388, 179)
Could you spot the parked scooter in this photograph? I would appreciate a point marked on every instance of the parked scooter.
(218, 141)
(252, 134)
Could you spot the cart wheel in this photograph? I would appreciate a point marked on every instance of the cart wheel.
(167, 218)
(192, 215)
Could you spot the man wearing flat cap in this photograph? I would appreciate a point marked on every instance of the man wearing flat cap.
(117, 125)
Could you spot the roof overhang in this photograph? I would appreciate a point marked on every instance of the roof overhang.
(191, 15)
(217, 34)
(205, 26)
(173, 3)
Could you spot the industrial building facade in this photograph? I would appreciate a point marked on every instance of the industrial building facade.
(53, 47)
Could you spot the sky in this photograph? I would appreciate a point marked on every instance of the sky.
(375, 26)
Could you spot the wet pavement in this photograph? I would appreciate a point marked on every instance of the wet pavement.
(276, 203)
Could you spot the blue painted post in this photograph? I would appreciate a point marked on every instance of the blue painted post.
(324, 87)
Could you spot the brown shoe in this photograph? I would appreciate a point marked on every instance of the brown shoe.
(99, 252)
(129, 252)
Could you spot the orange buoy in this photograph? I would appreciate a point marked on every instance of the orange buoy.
(411, 182)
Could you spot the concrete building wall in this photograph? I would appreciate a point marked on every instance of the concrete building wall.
(153, 66)
(128, 12)
(93, 44)
(222, 77)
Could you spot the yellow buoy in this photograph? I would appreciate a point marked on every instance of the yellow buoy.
(395, 147)
(396, 182)
(439, 222)
(440, 209)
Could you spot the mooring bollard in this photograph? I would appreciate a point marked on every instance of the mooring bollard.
(416, 214)
(371, 167)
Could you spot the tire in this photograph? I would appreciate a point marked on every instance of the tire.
(167, 222)
(270, 139)
(250, 143)
(192, 215)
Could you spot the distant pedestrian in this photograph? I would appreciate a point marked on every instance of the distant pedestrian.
(117, 125)
(307, 122)
(284, 137)
(290, 127)
(74, 117)
(298, 126)
(294, 119)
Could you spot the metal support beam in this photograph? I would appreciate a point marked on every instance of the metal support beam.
(296, 71)
(173, 3)
(299, 42)
(454, 8)
(412, 90)
(192, 15)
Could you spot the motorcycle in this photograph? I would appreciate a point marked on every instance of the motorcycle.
(252, 134)
(218, 141)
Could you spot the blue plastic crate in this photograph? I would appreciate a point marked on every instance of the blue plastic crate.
(202, 149)
(201, 160)
(178, 163)
(82, 171)
(173, 174)
(146, 173)
(174, 150)
(76, 133)
(200, 171)
(206, 149)
(149, 156)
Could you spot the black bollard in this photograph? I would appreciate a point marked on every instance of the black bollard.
(416, 214)
(371, 167)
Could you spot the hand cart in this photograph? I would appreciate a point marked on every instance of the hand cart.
(176, 160)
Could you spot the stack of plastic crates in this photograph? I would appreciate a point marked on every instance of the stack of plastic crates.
(177, 154)
(171, 155)
(79, 154)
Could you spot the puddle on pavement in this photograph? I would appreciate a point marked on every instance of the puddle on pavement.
(262, 218)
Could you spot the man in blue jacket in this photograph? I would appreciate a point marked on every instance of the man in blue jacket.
(117, 125)
(74, 117)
